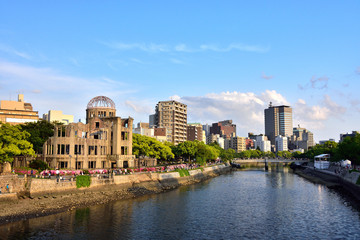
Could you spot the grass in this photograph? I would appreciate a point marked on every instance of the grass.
(83, 181)
(183, 172)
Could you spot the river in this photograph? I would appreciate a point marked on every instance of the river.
(238, 205)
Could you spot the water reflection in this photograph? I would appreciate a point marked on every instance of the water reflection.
(244, 204)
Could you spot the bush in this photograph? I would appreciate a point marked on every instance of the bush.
(83, 181)
(39, 164)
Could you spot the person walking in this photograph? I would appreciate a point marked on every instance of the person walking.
(7, 188)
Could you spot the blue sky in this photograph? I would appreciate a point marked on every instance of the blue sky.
(224, 59)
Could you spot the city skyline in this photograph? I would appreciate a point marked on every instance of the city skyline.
(224, 61)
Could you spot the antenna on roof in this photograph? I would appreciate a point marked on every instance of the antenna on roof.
(270, 105)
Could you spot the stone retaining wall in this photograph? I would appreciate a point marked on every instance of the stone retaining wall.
(36, 186)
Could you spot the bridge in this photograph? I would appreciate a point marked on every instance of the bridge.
(270, 160)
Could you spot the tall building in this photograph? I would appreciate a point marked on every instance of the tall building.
(206, 128)
(17, 112)
(58, 116)
(172, 115)
(105, 141)
(301, 138)
(281, 143)
(194, 132)
(225, 129)
(278, 121)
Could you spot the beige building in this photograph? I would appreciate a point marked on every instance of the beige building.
(105, 141)
(58, 116)
(236, 143)
(172, 115)
(17, 112)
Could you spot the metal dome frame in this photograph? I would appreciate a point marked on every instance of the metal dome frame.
(101, 102)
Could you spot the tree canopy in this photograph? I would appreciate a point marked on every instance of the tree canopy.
(150, 147)
(40, 132)
(13, 142)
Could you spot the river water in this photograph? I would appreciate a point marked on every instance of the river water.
(238, 205)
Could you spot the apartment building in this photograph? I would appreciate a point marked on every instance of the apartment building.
(195, 132)
(172, 115)
(225, 129)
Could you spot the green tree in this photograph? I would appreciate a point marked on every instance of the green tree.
(13, 142)
(227, 155)
(187, 149)
(206, 152)
(40, 132)
(150, 147)
(349, 148)
(39, 165)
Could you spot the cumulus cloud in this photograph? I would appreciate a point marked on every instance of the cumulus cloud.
(245, 109)
(313, 117)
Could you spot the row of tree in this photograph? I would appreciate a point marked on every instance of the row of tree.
(28, 139)
(144, 146)
(24, 139)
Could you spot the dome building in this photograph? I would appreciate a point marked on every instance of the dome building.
(105, 141)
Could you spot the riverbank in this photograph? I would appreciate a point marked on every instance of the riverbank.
(42, 197)
(346, 180)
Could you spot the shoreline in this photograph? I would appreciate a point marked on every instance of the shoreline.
(48, 203)
(331, 180)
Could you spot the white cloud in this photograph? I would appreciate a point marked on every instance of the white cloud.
(48, 89)
(176, 61)
(245, 109)
(315, 83)
(139, 107)
(154, 48)
(12, 51)
(235, 46)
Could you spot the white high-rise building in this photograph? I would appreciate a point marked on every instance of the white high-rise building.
(281, 143)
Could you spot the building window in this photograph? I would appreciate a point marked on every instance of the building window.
(124, 150)
(63, 164)
(124, 135)
(92, 164)
(67, 148)
(97, 124)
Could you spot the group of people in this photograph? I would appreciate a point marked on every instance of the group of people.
(7, 189)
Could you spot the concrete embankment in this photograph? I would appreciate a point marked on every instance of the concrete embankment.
(345, 179)
(39, 197)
